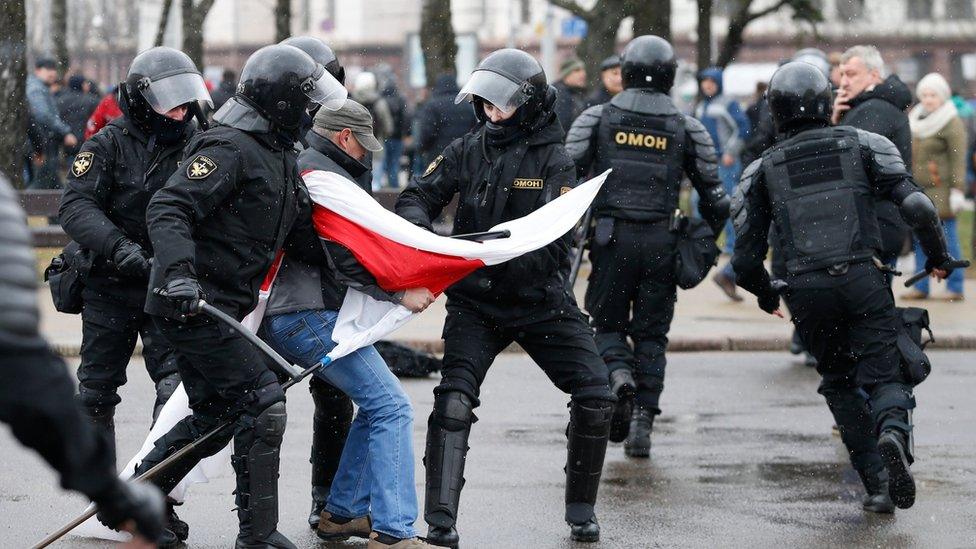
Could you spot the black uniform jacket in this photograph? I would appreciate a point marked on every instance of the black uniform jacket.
(752, 208)
(496, 185)
(235, 201)
(110, 182)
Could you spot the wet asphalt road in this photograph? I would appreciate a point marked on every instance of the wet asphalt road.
(743, 456)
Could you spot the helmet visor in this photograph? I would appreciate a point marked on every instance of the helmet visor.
(324, 89)
(169, 92)
(494, 88)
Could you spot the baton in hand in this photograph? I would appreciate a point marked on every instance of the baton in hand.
(481, 237)
(952, 264)
(294, 373)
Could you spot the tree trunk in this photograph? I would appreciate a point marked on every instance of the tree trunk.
(437, 40)
(163, 20)
(704, 33)
(59, 34)
(653, 17)
(193, 18)
(600, 41)
(13, 80)
(282, 14)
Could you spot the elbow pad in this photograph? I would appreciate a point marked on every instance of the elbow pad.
(715, 209)
(923, 217)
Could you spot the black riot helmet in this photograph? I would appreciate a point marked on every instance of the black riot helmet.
(277, 85)
(799, 92)
(320, 52)
(815, 57)
(648, 62)
(159, 80)
(509, 79)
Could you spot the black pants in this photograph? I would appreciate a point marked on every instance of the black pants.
(224, 377)
(36, 400)
(849, 324)
(561, 344)
(631, 293)
(110, 325)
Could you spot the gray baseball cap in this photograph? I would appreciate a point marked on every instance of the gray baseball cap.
(351, 115)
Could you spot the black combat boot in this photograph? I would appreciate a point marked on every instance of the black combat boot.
(638, 443)
(894, 449)
(173, 522)
(877, 499)
(443, 537)
(588, 432)
(622, 384)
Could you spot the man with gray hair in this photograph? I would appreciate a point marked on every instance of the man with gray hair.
(868, 101)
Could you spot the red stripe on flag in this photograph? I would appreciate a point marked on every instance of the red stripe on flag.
(395, 266)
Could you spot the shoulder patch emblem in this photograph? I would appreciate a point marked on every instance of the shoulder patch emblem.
(201, 167)
(533, 184)
(564, 190)
(83, 162)
(433, 165)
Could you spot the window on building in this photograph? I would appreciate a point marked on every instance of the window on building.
(850, 10)
(919, 10)
(959, 9)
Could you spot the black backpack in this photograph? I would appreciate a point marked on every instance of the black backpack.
(406, 362)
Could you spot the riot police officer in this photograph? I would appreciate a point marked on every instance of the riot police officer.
(104, 209)
(215, 227)
(818, 186)
(333, 409)
(651, 146)
(509, 165)
(104, 206)
(36, 392)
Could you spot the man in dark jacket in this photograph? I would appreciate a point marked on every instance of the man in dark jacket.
(75, 105)
(610, 80)
(869, 102)
(441, 121)
(570, 91)
(393, 144)
(47, 122)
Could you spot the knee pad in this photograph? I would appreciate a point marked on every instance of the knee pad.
(891, 406)
(590, 417)
(269, 425)
(98, 394)
(453, 411)
(262, 398)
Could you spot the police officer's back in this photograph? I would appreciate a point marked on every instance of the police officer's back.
(650, 146)
(818, 186)
(104, 206)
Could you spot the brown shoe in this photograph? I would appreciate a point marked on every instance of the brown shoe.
(411, 543)
(914, 295)
(727, 286)
(333, 531)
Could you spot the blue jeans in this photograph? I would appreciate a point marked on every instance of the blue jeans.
(730, 180)
(954, 283)
(391, 161)
(375, 475)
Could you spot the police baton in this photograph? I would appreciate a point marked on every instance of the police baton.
(952, 264)
(294, 374)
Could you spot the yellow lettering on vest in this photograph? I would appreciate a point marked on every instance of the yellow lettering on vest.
(620, 138)
(661, 143)
(634, 139)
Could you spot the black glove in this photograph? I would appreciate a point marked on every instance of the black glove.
(941, 263)
(130, 259)
(769, 301)
(184, 291)
(141, 503)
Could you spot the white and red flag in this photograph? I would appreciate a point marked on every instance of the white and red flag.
(400, 255)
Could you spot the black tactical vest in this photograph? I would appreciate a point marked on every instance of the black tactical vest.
(646, 154)
(822, 200)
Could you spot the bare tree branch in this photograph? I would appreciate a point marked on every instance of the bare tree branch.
(163, 20)
(572, 7)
